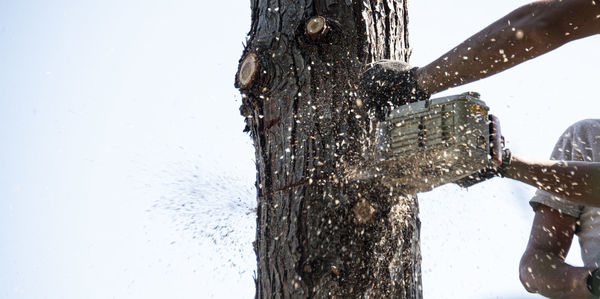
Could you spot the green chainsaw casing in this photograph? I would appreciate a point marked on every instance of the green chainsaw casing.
(426, 144)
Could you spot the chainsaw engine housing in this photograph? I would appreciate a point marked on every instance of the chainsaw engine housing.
(425, 144)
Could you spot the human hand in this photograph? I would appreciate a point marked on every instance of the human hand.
(499, 157)
(496, 142)
(390, 83)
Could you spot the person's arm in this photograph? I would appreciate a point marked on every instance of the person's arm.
(523, 34)
(577, 181)
(542, 268)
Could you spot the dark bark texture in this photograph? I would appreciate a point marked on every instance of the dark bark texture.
(320, 235)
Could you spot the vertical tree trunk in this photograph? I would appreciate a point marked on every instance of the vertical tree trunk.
(318, 234)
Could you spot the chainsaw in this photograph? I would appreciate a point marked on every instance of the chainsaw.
(425, 144)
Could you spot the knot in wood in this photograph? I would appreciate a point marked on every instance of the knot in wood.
(363, 211)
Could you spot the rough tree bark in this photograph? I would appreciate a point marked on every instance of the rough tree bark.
(318, 234)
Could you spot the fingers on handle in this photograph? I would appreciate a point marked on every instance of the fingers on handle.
(496, 141)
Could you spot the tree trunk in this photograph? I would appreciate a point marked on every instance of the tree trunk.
(319, 234)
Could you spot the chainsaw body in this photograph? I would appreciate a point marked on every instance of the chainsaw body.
(426, 144)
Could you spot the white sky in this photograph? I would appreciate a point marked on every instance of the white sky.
(123, 157)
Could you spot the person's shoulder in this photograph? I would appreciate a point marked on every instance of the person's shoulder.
(584, 139)
(579, 141)
(583, 127)
(587, 123)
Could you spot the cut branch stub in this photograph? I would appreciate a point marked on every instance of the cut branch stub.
(247, 71)
(316, 27)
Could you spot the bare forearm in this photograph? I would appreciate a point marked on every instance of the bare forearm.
(549, 275)
(573, 180)
(525, 33)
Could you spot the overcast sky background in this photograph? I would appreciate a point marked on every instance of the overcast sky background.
(124, 172)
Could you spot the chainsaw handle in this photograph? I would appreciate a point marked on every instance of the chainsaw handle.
(496, 141)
